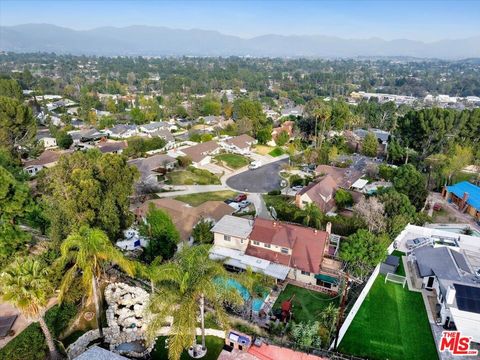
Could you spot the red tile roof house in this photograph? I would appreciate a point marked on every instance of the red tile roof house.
(322, 191)
(284, 251)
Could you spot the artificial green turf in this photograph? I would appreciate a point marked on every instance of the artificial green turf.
(233, 161)
(276, 152)
(213, 343)
(391, 324)
(307, 304)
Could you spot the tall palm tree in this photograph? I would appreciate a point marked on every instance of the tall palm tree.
(87, 251)
(328, 318)
(322, 112)
(182, 287)
(25, 284)
(311, 215)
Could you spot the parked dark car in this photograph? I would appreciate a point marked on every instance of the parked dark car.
(228, 201)
(240, 197)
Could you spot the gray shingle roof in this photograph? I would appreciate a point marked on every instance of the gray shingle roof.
(234, 226)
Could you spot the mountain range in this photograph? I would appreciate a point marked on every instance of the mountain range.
(162, 41)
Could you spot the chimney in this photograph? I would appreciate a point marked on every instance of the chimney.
(315, 231)
(328, 228)
(451, 292)
(274, 223)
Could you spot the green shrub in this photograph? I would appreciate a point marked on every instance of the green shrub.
(59, 317)
(274, 192)
(30, 344)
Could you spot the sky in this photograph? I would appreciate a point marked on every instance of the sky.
(387, 19)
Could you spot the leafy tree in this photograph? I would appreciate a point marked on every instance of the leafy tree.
(328, 319)
(396, 153)
(343, 198)
(411, 182)
(282, 138)
(15, 204)
(396, 203)
(184, 161)
(386, 172)
(206, 137)
(64, 140)
(138, 116)
(182, 287)
(25, 284)
(88, 188)
(460, 157)
(363, 250)
(305, 334)
(264, 135)
(211, 107)
(370, 145)
(202, 232)
(249, 109)
(17, 124)
(10, 88)
(162, 235)
(86, 252)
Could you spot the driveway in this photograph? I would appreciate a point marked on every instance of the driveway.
(261, 180)
(260, 206)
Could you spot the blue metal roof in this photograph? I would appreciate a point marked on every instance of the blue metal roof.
(467, 187)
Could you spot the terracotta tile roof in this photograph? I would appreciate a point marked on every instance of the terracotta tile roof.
(198, 152)
(241, 141)
(267, 254)
(184, 216)
(307, 244)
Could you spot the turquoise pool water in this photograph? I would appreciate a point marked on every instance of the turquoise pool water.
(257, 303)
(457, 230)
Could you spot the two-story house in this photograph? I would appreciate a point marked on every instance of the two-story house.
(282, 250)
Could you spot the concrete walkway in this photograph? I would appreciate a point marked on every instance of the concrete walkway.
(192, 189)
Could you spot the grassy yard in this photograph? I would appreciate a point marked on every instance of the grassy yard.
(233, 161)
(307, 304)
(276, 152)
(192, 176)
(263, 149)
(213, 343)
(200, 198)
(391, 324)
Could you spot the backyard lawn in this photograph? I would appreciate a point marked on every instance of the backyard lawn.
(400, 269)
(391, 324)
(214, 348)
(199, 198)
(263, 149)
(192, 176)
(233, 161)
(307, 304)
(276, 152)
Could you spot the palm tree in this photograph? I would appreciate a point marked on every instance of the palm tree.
(183, 286)
(323, 113)
(87, 251)
(311, 215)
(328, 318)
(25, 285)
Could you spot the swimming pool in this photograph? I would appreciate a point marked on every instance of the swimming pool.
(257, 303)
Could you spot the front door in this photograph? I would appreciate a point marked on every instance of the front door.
(430, 282)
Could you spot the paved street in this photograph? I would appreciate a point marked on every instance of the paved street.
(261, 180)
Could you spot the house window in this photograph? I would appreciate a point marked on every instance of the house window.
(256, 243)
(267, 245)
(226, 238)
(284, 250)
(305, 273)
(324, 284)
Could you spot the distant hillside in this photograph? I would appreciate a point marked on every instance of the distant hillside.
(158, 41)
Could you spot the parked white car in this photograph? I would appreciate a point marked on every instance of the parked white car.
(255, 165)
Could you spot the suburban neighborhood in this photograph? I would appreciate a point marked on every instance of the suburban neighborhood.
(271, 197)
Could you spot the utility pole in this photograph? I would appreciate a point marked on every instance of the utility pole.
(341, 311)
